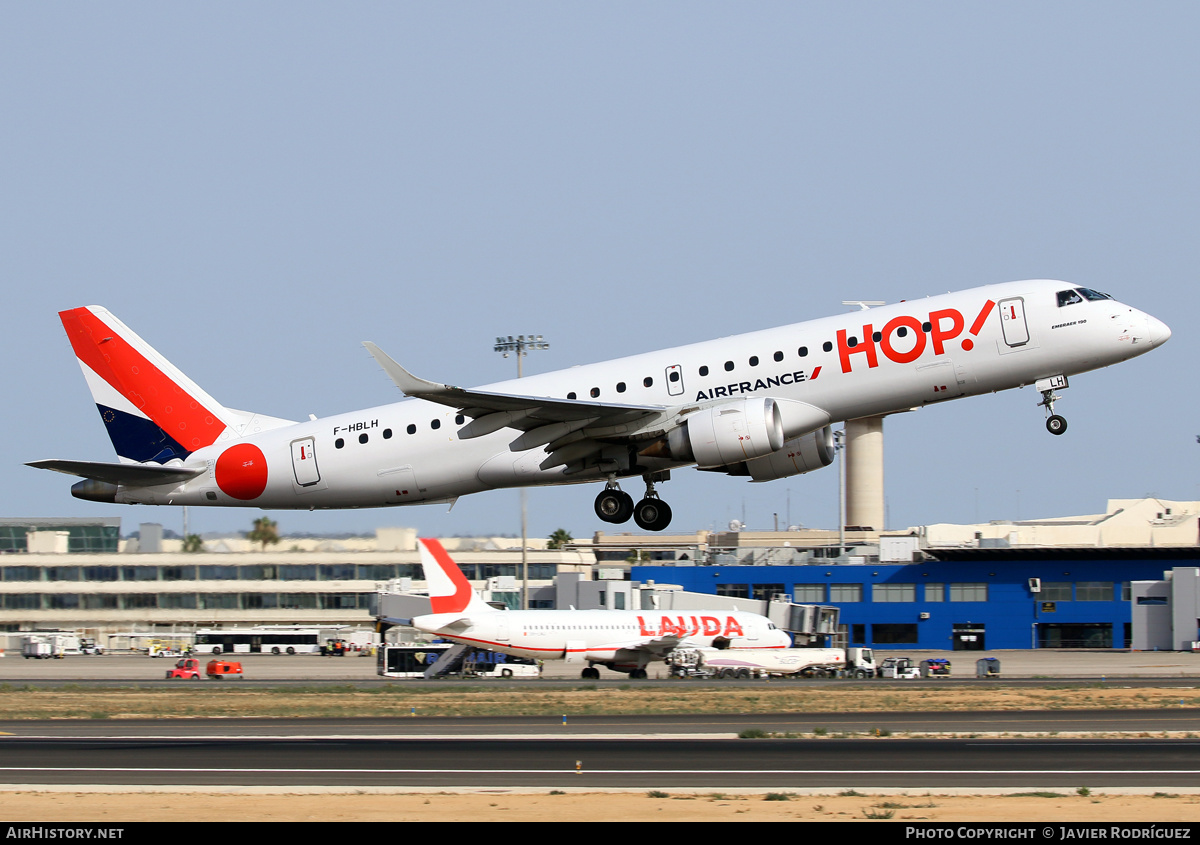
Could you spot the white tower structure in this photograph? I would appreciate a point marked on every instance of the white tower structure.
(864, 473)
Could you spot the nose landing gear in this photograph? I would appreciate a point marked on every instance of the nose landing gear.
(1054, 423)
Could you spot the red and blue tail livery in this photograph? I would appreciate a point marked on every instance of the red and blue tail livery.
(153, 412)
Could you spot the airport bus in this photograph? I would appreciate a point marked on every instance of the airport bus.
(263, 639)
(408, 660)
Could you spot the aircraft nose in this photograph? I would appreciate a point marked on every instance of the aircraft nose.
(1158, 331)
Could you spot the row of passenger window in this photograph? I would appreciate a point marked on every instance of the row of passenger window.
(754, 361)
(434, 424)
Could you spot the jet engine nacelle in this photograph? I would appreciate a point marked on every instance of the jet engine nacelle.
(728, 433)
(799, 455)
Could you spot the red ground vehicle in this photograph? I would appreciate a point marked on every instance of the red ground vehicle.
(189, 669)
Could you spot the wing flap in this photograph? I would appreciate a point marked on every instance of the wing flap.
(525, 412)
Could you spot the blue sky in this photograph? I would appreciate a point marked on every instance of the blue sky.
(256, 188)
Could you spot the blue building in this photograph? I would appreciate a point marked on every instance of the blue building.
(962, 599)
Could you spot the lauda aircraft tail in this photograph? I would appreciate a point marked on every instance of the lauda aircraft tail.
(449, 589)
(154, 414)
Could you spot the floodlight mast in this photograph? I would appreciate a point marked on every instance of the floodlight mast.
(521, 346)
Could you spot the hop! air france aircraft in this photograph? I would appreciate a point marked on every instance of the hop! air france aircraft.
(622, 640)
(757, 405)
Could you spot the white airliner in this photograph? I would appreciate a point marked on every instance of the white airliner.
(758, 405)
(622, 640)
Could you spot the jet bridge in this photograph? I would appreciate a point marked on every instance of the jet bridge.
(809, 624)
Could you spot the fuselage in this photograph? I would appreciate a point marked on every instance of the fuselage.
(611, 637)
(853, 365)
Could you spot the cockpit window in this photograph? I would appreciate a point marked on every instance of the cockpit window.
(1068, 297)
(1092, 295)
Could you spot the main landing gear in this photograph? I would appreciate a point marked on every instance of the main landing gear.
(1054, 423)
(616, 506)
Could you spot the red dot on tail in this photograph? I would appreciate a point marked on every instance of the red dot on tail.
(968, 344)
(242, 471)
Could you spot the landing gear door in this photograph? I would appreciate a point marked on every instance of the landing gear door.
(1012, 321)
(675, 380)
(304, 462)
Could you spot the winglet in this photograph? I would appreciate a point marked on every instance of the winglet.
(406, 381)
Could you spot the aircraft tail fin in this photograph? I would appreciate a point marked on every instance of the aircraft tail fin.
(449, 589)
(152, 411)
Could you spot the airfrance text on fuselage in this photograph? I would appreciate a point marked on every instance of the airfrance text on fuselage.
(942, 326)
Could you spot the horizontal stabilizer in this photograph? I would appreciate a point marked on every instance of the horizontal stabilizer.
(130, 475)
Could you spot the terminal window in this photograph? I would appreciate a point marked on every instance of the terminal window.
(845, 592)
(893, 593)
(808, 593)
(968, 591)
(1055, 591)
(1094, 591)
(894, 634)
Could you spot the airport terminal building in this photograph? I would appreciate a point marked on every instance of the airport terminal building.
(964, 599)
(1077, 582)
(1126, 578)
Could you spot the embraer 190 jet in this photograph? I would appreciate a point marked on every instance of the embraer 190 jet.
(757, 405)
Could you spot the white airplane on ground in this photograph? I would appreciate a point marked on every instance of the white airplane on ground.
(758, 405)
(622, 640)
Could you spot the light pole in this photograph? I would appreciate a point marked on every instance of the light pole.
(521, 346)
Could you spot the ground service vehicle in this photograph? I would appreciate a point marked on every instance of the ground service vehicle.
(265, 639)
(935, 667)
(753, 663)
(899, 667)
(491, 664)
(217, 669)
(165, 650)
(189, 669)
(37, 648)
(334, 648)
(408, 660)
(56, 644)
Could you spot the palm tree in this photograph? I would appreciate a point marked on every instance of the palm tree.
(264, 532)
(559, 539)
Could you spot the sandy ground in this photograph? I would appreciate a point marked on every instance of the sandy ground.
(502, 806)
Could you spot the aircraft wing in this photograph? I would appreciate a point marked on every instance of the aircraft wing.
(659, 645)
(520, 412)
(131, 475)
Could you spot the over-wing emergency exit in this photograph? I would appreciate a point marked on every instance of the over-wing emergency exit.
(757, 405)
(620, 640)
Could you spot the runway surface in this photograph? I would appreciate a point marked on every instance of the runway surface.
(698, 752)
(604, 763)
(620, 752)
